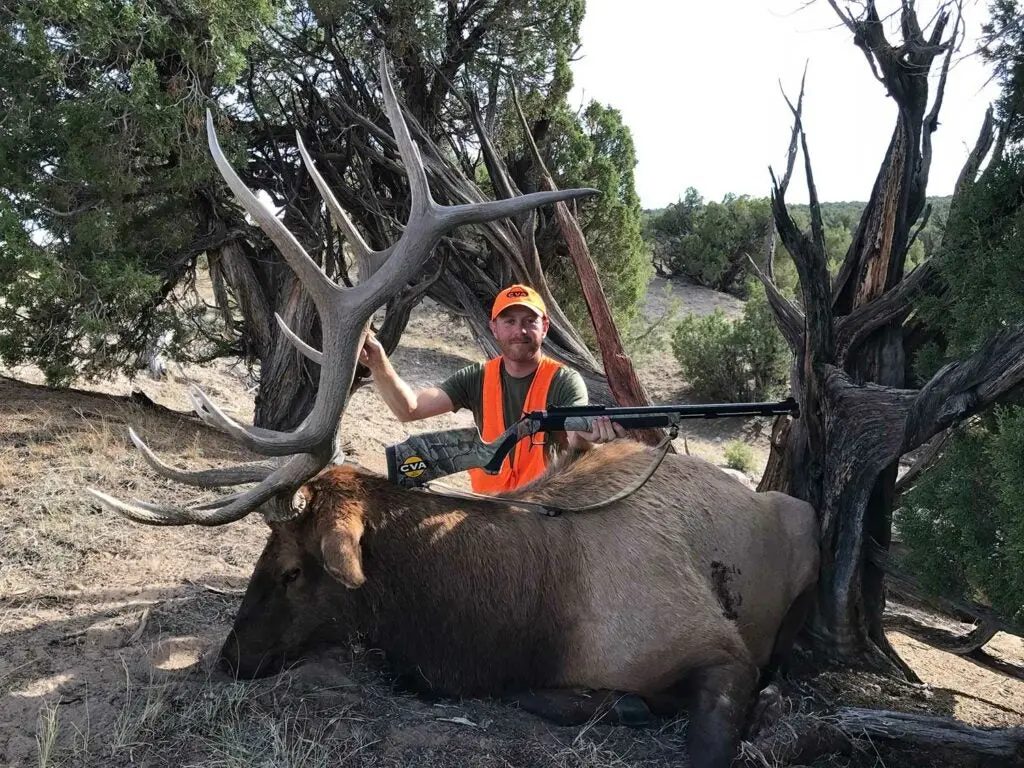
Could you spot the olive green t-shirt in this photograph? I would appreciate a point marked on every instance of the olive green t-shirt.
(465, 388)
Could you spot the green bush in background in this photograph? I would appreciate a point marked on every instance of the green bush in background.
(739, 455)
(734, 360)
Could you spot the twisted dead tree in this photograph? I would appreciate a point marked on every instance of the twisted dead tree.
(853, 344)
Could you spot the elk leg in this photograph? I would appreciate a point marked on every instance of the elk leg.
(568, 707)
(721, 695)
(792, 623)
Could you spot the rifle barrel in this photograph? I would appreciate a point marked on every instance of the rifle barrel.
(636, 417)
(553, 416)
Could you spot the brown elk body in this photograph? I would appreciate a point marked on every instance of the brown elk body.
(688, 580)
(692, 582)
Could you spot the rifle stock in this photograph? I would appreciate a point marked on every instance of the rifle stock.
(430, 455)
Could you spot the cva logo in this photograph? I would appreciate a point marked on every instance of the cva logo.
(516, 294)
(413, 466)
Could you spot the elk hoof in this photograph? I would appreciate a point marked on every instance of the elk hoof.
(630, 710)
(767, 710)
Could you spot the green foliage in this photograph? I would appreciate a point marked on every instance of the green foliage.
(596, 150)
(734, 360)
(1003, 46)
(963, 523)
(739, 455)
(107, 193)
(982, 258)
(528, 42)
(102, 162)
(707, 243)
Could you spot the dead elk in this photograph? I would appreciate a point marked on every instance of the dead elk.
(689, 586)
(683, 588)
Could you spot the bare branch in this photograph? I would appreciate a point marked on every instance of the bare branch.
(931, 731)
(789, 317)
(809, 258)
(965, 387)
(931, 452)
(770, 236)
(891, 306)
(974, 160)
(931, 122)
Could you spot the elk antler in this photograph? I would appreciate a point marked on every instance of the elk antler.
(344, 313)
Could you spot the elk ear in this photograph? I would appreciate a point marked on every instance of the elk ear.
(343, 556)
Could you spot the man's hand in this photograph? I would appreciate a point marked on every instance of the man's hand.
(602, 431)
(372, 353)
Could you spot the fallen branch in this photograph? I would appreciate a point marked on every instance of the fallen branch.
(931, 732)
(904, 583)
(794, 739)
(621, 375)
(951, 642)
(802, 738)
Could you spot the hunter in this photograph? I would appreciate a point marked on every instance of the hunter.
(499, 391)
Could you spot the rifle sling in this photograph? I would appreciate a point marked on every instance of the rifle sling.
(551, 510)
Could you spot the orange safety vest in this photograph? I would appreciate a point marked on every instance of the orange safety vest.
(529, 459)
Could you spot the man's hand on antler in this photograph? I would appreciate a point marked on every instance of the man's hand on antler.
(372, 353)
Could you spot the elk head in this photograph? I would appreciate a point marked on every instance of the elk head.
(344, 313)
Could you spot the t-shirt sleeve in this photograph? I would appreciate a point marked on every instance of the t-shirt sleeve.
(568, 388)
(464, 386)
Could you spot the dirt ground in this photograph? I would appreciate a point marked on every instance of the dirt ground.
(108, 628)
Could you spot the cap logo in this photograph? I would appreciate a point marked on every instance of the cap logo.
(516, 294)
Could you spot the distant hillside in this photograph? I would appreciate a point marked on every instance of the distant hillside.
(836, 212)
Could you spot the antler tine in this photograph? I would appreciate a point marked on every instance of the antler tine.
(290, 475)
(156, 514)
(320, 287)
(253, 472)
(212, 414)
(313, 354)
(368, 260)
(420, 191)
(428, 221)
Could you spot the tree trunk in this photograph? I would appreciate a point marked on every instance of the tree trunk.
(857, 418)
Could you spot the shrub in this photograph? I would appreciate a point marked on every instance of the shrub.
(733, 361)
(738, 455)
(963, 523)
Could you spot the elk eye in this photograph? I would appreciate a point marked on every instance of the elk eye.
(290, 575)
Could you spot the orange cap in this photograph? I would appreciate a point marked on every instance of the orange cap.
(518, 295)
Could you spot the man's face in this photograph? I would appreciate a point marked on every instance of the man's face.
(519, 332)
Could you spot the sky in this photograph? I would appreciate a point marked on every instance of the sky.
(698, 83)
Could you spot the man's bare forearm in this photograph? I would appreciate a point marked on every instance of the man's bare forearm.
(393, 390)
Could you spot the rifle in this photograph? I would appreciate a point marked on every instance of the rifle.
(430, 455)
